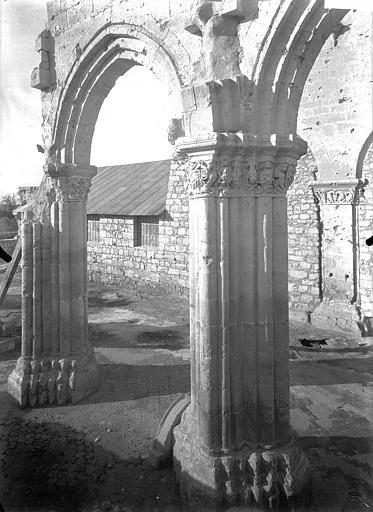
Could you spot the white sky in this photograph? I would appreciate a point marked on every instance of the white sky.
(364, 5)
(132, 125)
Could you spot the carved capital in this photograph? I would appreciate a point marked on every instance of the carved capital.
(72, 188)
(240, 174)
(342, 192)
(268, 176)
(284, 173)
(220, 177)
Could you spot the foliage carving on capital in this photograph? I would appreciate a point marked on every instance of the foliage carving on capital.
(218, 177)
(268, 177)
(72, 188)
(239, 175)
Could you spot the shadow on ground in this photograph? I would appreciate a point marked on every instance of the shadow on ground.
(48, 466)
(122, 382)
(341, 472)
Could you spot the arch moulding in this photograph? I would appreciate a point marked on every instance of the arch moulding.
(109, 54)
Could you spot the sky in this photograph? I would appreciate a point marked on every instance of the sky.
(364, 5)
(131, 127)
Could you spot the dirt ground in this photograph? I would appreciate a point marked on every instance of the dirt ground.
(93, 456)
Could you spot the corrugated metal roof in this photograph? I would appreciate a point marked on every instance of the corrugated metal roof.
(132, 189)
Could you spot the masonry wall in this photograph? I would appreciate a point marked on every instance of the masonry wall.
(164, 269)
(365, 228)
(335, 114)
(335, 118)
(304, 242)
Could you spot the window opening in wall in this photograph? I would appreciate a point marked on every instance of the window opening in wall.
(147, 231)
(93, 230)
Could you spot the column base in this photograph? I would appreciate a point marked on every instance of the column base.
(260, 477)
(37, 382)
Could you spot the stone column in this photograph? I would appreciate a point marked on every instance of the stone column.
(233, 443)
(57, 364)
(338, 202)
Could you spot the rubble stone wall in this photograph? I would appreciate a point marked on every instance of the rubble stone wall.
(115, 259)
(304, 242)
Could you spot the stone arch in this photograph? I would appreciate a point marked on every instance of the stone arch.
(294, 39)
(364, 155)
(107, 56)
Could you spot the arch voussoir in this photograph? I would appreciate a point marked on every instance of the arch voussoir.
(118, 43)
(324, 30)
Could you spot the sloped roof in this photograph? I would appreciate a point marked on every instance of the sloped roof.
(132, 189)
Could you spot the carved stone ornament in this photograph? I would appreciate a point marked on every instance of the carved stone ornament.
(38, 208)
(226, 176)
(175, 130)
(219, 177)
(266, 476)
(263, 476)
(337, 196)
(72, 188)
(220, 48)
(36, 383)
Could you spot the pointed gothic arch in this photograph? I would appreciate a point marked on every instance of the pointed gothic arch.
(295, 37)
(110, 54)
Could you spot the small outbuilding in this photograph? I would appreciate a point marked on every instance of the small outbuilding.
(138, 227)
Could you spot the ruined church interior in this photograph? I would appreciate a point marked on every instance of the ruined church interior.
(194, 324)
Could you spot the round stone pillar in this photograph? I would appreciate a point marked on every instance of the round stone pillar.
(233, 442)
(57, 363)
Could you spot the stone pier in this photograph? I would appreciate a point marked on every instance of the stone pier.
(57, 363)
(232, 443)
